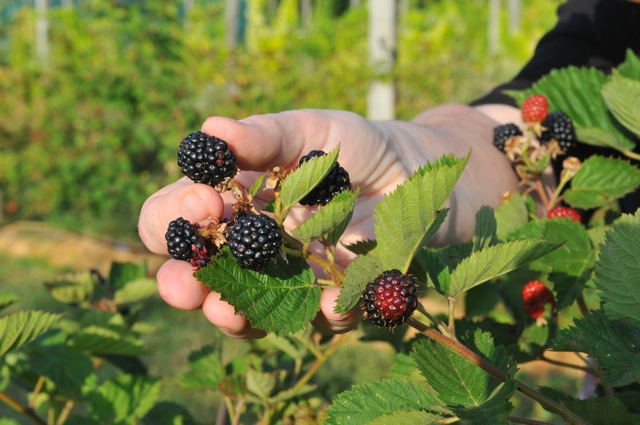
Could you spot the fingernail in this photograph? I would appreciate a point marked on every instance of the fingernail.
(194, 208)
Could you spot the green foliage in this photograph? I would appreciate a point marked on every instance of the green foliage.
(410, 215)
(88, 136)
(617, 274)
(281, 300)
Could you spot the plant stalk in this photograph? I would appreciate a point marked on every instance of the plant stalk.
(567, 415)
(338, 341)
(15, 405)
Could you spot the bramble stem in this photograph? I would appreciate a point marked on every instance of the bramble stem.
(516, 420)
(488, 367)
(66, 411)
(452, 319)
(36, 391)
(338, 340)
(15, 405)
(569, 365)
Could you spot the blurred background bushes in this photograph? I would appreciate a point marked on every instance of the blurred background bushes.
(90, 130)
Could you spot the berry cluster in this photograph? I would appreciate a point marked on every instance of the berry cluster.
(390, 299)
(535, 295)
(254, 238)
(559, 127)
(206, 159)
(502, 134)
(562, 211)
(184, 243)
(336, 181)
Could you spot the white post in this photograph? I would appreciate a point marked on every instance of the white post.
(42, 33)
(493, 27)
(382, 53)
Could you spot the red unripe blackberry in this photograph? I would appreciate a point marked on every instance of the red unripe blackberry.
(535, 109)
(184, 243)
(562, 211)
(254, 239)
(336, 181)
(535, 295)
(206, 159)
(502, 134)
(390, 299)
(559, 126)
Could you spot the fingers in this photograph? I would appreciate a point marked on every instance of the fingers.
(179, 288)
(193, 202)
(328, 321)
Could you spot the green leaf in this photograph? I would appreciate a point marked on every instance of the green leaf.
(124, 400)
(617, 272)
(601, 180)
(511, 214)
(434, 265)
(205, 370)
(577, 93)
(622, 96)
(366, 402)
(601, 411)
(630, 68)
(168, 413)
(362, 247)
(73, 288)
(136, 290)
(332, 219)
(358, 274)
(410, 417)
(574, 257)
(118, 340)
(303, 179)
(22, 327)
(494, 261)
(261, 384)
(614, 344)
(464, 387)
(282, 299)
(409, 216)
(70, 370)
(123, 273)
(255, 187)
(8, 298)
(486, 227)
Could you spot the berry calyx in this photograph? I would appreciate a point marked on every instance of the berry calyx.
(336, 181)
(535, 109)
(184, 243)
(535, 295)
(559, 127)
(254, 239)
(390, 299)
(562, 211)
(503, 133)
(206, 159)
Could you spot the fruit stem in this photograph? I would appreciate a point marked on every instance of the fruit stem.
(564, 179)
(27, 411)
(36, 391)
(488, 367)
(632, 155)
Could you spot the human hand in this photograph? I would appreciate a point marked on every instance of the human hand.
(378, 156)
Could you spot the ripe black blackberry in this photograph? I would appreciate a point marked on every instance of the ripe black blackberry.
(184, 243)
(390, 299)
(502, 134)
(559, 126)
(254, 239)
(206, 159)
(336, 181)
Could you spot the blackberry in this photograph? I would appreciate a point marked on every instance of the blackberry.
(502, 134)
(206, 159)
(184, 243)
(390, 299)
(254, 239)
(559, 126)
(336, 181)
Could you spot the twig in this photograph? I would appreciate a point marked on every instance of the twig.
(488, 367)
(338, 341)
(15, 405)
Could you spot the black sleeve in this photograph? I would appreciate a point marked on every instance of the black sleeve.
(592, 33)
